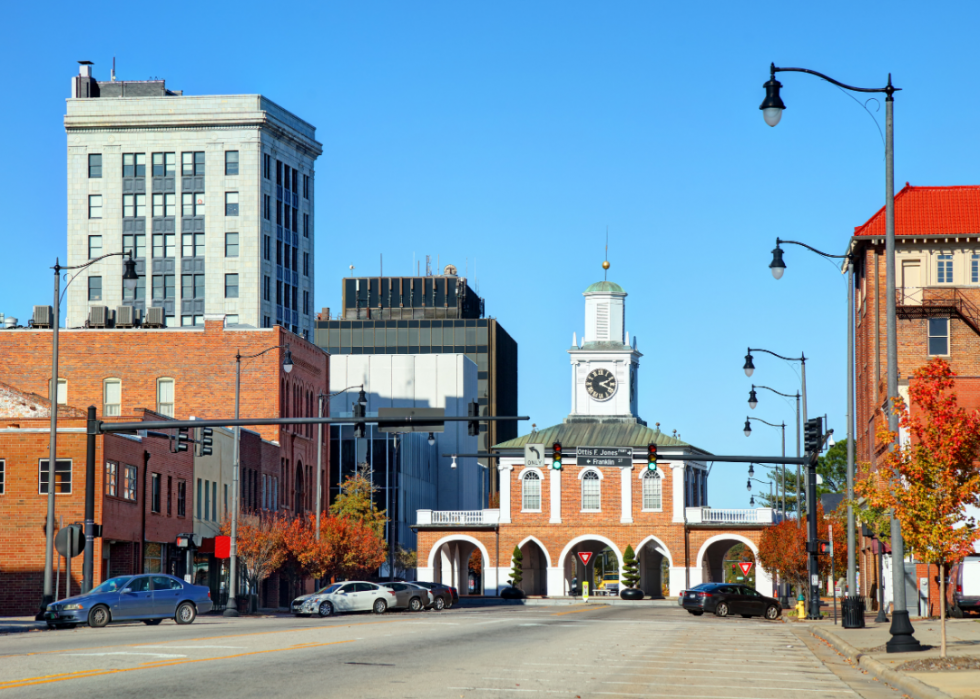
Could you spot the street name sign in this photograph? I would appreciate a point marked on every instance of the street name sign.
(604, 456)
(534, 456)
(419, 415)
(586, 556)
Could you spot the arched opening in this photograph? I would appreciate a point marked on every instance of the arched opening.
(574, 568)
(454, 562)
(534, 565)
(299, 487)
(720, 562)
(654, 567)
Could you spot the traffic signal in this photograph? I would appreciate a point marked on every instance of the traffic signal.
(556, 456)
(204, 446)
(360, 410)
(178, 442)
(651, 457)
(473, 426)
(813, 435)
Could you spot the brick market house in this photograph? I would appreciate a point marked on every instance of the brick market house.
(179, 373)
(552, 515)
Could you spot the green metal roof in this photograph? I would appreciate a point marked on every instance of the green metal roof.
(607, 287)
(596, 433)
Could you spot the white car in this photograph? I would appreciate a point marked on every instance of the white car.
(344, 597)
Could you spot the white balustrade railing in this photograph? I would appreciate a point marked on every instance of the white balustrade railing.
(712, 515)
(457, 517)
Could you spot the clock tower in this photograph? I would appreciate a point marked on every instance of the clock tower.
(604, 364)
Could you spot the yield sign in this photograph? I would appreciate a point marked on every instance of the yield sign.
(586, 557)
(746, 566)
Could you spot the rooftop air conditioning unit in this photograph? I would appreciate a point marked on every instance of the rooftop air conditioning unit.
(127, 316)
(98, 317)
(42, 316)
(154, 317)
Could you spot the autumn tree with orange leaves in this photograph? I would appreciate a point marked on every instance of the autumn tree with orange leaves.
(348, 548)
(260, 546)
(782, 548)
(930, 478)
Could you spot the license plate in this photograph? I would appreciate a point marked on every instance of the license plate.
(691, 595)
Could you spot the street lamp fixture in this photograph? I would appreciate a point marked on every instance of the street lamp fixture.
(748, 486)
(772, 106)
(453, 464)
(749, 366)
(130, 278)
(748, 428)
(432, 439)
(287, 361)
(777, 266)
(752, 501)
(753, 399)
(751, 470)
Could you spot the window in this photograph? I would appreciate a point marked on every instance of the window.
(111, 478)
(295, 259)
(944, 269)
(285, 250)
(266, 288)
(111, 397)
(231, 245)
(295, 221)
(181, 498)
(164, 205)
(192, 204)
(95, 206)
(231, 203)
(231, 162)
(651, 490)
(164, 245)
(279, 213)
(591, 500)
(95, 165)
(199, 499)
(207, 499)
(135, 244)
(267, 247)
(165, 397)
(267, 207)
(62, 391)
(295, 298)
(306, 186)
(95, 288)
(939, 336)
(278, 172)
(134, 164)
(531, 492)
(170, 487)
(231, 286)
(164, 164)
(190, 321)
(164, 286)
(306, 302)
(231, 319)
(94, 246)
(306, 225)
(266, 165)
(192, 245)
(295, 181)
(975, 268)
(130, 476)
(278, 253)
(286, 179)
(226, 497)
(192, 286)
(134, 205)
(192, 163)
(62, 476)
(306, 264)
(155, 492)
(279, 292)
(214, 502)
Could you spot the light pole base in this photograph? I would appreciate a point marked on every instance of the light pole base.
(852, 612)
(230, 612)
(882, 618)
(901, 630)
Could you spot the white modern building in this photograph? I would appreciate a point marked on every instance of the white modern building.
(420, 476)
(212, 194)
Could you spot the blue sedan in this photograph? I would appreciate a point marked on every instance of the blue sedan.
(146, 598)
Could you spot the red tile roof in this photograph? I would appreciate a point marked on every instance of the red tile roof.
(930, 211)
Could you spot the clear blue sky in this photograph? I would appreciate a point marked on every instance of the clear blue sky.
(507, 136)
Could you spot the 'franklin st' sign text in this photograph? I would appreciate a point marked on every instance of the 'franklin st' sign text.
(604, 456)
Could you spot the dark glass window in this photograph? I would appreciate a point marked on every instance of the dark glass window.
(231, 162)
(939, 336)
(95, 165)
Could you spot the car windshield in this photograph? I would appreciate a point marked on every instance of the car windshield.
(112, 585)
(610, 576)
(329, 589)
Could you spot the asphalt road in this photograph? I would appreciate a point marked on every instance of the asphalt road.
(579, 651)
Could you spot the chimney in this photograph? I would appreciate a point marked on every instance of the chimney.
(83, 85)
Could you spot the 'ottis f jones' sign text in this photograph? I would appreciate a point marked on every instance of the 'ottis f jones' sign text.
(604, 456)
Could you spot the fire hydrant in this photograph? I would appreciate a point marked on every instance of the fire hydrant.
(800, 608)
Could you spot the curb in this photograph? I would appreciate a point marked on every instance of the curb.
(909, 685)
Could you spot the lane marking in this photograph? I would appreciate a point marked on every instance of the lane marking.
(122, 652)
(191, 647)
(709, 686)
(587, 609)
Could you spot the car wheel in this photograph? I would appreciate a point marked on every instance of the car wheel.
(186, 613)
(721, 609)
(772, 612)
(415, 604)
(152, 622)
(98, 616)
(380, 606)
(326, 609)
(439, 604)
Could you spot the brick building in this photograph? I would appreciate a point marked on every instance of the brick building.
(937, 249)
(602, 499)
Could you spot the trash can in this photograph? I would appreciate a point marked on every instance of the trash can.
(852, 612)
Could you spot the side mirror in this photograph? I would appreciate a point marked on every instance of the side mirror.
(126, 589)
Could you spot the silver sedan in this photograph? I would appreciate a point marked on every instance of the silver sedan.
(344, 597)
(409, 596)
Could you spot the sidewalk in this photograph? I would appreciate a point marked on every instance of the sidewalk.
(919, 674)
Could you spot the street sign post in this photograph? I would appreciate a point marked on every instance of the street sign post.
(534, 456)
(604, 456)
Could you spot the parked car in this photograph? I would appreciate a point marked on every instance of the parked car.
(444, 596)
(146, 598)
(409, 596)
(725, 599)
(680, 597)
(344, 597)
(609, 583)
(963, 588)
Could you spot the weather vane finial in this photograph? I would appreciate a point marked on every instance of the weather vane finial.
(605, 262)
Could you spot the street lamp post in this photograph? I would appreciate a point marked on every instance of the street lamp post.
(781, 426)
(853, 617)
(130, 279)
(748, 487)
(231, 608)
(753, 402)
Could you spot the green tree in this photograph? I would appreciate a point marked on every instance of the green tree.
(517, 567)
(356, 500)
(631, 573)
(831, 467)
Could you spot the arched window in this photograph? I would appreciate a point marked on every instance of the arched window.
(591, 491)
(165, 397)
(112, 397)
(652, 491)
(531, 492)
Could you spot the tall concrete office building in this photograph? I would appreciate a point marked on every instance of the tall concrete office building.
(213, 194)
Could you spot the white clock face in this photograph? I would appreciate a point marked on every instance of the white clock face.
(601, 384)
